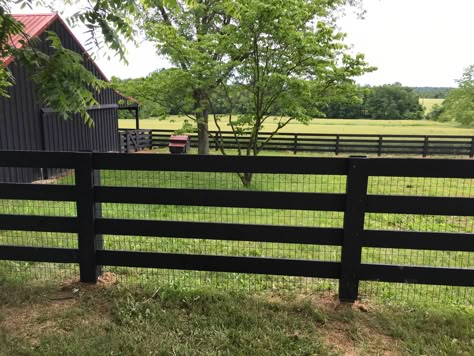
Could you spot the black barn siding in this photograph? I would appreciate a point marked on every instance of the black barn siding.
(24, 127)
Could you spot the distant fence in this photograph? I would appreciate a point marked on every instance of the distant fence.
(421, 145)
(86, 192)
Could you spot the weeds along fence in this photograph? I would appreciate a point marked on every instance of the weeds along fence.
(421, 145)
(361, 226)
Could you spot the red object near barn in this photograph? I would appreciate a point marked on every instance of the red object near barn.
(179, 144)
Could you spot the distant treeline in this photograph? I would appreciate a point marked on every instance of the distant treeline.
(391, 101)
(432, 92)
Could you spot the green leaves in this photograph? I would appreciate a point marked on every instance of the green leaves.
(9, 27)
(6, 81)
(63, 82)
(459, 105)
(393, 102)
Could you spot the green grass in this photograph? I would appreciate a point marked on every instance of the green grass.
(335, 126)
(78, 319)
(261, 182)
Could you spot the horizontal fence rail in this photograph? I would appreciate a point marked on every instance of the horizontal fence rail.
(421, 145)
(88, 194)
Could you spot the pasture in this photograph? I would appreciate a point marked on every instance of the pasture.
(335, 126)
(428, 103)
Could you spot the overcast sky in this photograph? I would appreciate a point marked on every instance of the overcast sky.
(414, 42)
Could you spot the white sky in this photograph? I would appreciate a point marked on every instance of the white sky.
(414, 42)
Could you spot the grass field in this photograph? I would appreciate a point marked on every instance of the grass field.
(336, 126)
(429, 103)
(111, 320)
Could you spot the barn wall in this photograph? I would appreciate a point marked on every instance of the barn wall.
(22, 127)
(19, 124)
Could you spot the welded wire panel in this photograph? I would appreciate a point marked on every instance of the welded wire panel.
(295, 183)
(460, 227)
(13, 210)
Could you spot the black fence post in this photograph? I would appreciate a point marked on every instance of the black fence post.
(150, 139)
(379, 152)
(137, 119)
(425, 147)
(471, 154)
(337, 145)
(351, 253)
(86, 214)
(295, 144)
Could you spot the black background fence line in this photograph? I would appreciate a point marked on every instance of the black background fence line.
(422, 145)
(87, 193)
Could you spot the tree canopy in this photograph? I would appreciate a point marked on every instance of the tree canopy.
(459, 105)
(393, 102)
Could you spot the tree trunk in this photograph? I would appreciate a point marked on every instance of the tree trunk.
(202, 115)
(246, 179)
(203, 136)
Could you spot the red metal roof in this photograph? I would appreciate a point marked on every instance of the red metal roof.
(35, 25)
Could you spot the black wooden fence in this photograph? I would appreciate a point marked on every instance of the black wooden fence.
(352, 237)
(422, 145)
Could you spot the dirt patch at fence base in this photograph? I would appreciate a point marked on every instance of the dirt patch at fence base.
(106, 279)
(358, 339)
(345, 329)
(74, 305)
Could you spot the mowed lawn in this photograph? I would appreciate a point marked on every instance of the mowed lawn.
(335, 126)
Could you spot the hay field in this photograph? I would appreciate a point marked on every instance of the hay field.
(337, 126)
(429, 103)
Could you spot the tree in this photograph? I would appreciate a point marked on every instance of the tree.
(393, 102)
(202, 41)
(160, 93)
(63, 83)
(349, 106)
(459, 105)
(296, 63)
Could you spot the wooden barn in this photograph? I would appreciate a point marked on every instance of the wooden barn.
(26, 125)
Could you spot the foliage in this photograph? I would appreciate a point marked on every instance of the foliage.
(213, 47)
(350, 106)
(436, 113)
(201, 39)
(161, 93)
(432, 92)
(8, 27)
(393, 102)
(459, 105)
(63, 82)
(296, 63)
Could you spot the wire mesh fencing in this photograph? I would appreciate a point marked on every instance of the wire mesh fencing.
(422, 187)
(37, 272)
(213, 181)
